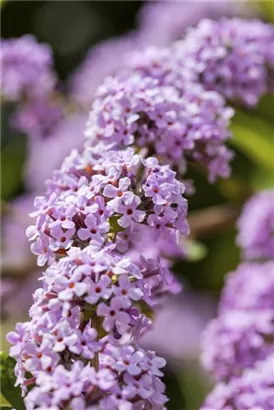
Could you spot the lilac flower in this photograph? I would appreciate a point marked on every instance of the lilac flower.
(79, 281)
(129, 212)
(26, 68)
(256, 227)
(38, 118)
(93, 230)
(177, 121)
(85, 187)
(41, 248)
(69, 287)
(231, 56)
(66, 329)
(99, 290)
(236, 340)
(253, 390)
(66, 337)
(87, 345)
(62, 239)
(160, 23)
(126, 289)
(119, 193)
(114, 315)
(254, 282)
(83, 387)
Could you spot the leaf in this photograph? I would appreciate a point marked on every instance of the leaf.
(115, 227)
(11, 393)
(266, 8)
(254, 137)
(195, 250)
(173, 391)
(5, 408)
(13, 158)
(2, 3)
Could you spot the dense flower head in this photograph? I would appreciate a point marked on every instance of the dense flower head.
(231, 56)
(90, 302)
(163, 65)
(97, 195)
(139, 110)
(128, 378)
(253, 390)
(236, 340)
(256, 227)
(251, 286)
(26, 68)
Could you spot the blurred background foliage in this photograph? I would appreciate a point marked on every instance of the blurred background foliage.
(71, 28)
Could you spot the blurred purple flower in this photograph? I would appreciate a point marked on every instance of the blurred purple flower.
(251, 286)
(26, 68)
(253, 390)
(256, 227)
(236, 340)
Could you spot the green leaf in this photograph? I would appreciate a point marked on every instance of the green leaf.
(266, 8)
(5, 408)
(261, 179)
(11, 393)
(195, 250)
(12, 166)
(254, 137)
(2, 3)
(115, 227)
(173, 390)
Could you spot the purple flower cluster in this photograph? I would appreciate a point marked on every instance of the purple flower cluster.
(126, 379)
(38, 118)
(243, 333)
(26, 69)
(236, 343)
(159, 24)
(80, 349)
(232, 56)
(91, 304)
(177, 125)
(256, 227)
(236, 340)
(254, 283)
(95, 196)
(254, 390)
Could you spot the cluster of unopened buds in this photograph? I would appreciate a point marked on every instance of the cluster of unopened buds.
(80, 350)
